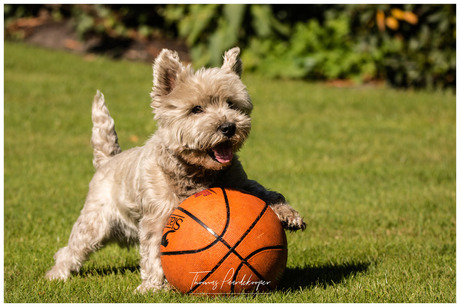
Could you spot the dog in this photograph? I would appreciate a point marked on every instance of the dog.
(203, 120)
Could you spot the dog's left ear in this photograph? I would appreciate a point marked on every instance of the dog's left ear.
(232, 61)
(165, 72)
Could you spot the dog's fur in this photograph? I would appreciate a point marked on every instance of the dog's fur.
(203, 119)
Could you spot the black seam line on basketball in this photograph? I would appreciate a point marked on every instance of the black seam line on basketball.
(232, 250)
(218, 237)
(245, 261)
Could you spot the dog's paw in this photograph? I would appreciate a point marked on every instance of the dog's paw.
(57, 274)
(147, 286)
(290, 219)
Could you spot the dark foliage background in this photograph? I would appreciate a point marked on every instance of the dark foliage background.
(409, 45)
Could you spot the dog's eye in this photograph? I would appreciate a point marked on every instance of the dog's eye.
(197, 109)
(230, 104)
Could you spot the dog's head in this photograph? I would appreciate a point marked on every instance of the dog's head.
(203, 116)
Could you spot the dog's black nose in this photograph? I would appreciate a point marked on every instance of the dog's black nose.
(228, 129)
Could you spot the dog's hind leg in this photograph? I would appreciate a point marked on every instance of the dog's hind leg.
(88, 234)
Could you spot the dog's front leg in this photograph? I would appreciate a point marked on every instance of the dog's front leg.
(290, 218)
(150, 229)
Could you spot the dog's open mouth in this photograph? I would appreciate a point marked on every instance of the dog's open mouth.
(222, 153)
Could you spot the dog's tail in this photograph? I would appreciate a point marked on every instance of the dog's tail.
(104, 138)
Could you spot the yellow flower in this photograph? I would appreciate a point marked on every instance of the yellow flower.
(380, 20)
(398, 14)
(410, 18)
(392, 23)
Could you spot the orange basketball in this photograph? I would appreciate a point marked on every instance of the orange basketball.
(223, 241)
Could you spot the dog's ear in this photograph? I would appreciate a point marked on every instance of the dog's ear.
(232, 61)
(165, 72)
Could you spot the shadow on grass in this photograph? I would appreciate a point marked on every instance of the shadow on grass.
(109, 270)
(297, 278)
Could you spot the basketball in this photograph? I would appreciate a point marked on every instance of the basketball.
(221, 241)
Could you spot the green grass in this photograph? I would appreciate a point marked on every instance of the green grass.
(371, 169)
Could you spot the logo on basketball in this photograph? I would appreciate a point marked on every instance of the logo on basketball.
(173, 223)
(204, 193)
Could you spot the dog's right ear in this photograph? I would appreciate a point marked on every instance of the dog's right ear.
(165, 72)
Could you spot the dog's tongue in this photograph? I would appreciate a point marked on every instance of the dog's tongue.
(223, 152)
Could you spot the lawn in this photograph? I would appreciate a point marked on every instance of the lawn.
(372, 170)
